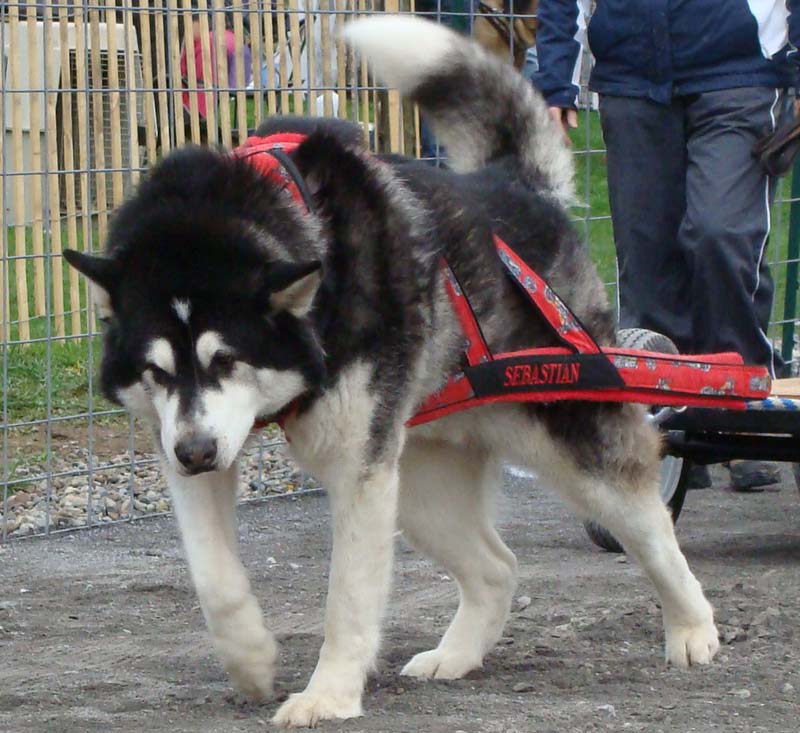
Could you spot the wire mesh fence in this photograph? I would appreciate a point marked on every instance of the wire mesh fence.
(92, 93)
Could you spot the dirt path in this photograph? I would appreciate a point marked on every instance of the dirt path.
(100, 630)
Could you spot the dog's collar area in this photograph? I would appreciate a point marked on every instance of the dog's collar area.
(271, 157)
(279, 418)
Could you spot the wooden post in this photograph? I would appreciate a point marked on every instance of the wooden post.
(221, 51)
(68, 85)
(295, 43)
(257, 57)
(35, 81)
(18, 181)
(148, 93)
(269, 54)
(164, 135)
(114, 99)
(173, 29)
(50, 85)
(238, 67)
(82, 82)
(5, 301)
(310, 87)
(96, 86)
(395, 111)
(133, 91)
(191, 72)
(341, 61)
(280, 12)
(211, 96)
(364, 92)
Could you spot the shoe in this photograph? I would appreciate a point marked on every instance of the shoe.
(753, 475)
(699, 477)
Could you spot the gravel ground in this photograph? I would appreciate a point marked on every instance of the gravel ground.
(100, 630)
(121, 484)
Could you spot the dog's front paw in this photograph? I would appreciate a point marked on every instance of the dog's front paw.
(306, 709)
(440, 664)
(251, 670)
(688, 645)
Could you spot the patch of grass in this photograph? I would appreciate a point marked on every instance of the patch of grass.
(592, 212)
(63, 364)
(65, 367)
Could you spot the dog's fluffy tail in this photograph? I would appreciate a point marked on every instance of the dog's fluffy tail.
(480, 108)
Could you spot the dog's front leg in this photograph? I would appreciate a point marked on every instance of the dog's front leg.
(205, 509)
(363, 512)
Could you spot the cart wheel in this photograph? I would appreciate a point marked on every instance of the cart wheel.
(674, 473)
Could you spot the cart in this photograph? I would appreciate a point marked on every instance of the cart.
(766, 429)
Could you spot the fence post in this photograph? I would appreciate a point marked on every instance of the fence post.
(792, 255)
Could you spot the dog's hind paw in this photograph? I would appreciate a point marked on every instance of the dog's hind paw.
(306, 709)
(688, 645)
(439, 664)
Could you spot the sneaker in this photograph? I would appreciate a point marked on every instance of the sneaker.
(753, 475)
(699, 477)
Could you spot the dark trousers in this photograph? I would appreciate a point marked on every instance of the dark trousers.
(691, 213)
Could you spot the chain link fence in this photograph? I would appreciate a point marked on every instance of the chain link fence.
(91, 94)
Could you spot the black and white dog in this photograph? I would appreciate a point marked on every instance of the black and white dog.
(226, 302)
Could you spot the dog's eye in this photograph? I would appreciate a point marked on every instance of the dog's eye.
(160, 375)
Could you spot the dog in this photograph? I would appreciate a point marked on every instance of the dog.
(507, 28)
(227, 303)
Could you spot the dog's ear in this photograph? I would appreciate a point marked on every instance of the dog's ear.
(335, 171)
(293, 285)
(105, 275)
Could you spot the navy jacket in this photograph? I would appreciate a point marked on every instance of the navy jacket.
(659, 49)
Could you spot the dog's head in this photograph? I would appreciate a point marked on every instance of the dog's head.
(206, 289)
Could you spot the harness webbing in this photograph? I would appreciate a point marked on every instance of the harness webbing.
(270, 157)
(581, 369)
(578, 370)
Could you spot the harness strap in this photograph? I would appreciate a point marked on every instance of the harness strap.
(475, 348)
(581, 369)
(270, 156)
(562, 320)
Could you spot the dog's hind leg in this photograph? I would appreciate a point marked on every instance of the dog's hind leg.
(446, 510)
(634, 513)
(621, 493)
(205, 508)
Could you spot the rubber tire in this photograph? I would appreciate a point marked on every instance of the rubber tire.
(641, 338)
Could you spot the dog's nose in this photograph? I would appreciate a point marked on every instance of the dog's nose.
(197, 453)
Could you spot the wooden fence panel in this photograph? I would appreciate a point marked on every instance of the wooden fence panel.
(125, 85)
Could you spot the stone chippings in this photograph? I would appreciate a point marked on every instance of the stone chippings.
(116, 490)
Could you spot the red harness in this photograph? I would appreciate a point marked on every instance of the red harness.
(578, 370)
(581, 369)
(267, 156)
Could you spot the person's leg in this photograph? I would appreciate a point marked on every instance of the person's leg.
(727, 222)
(646, 172)
(725, 234)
